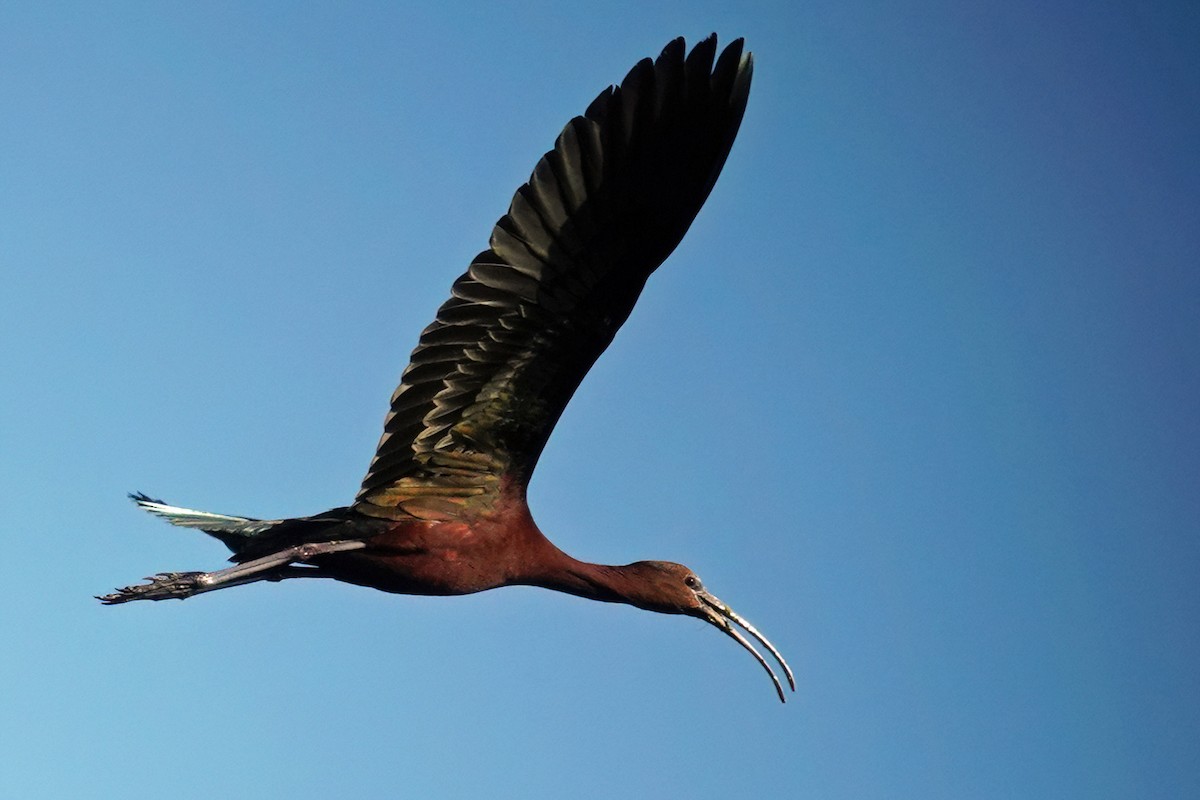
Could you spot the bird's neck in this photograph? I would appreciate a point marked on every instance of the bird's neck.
(538, 562)
(558, 571)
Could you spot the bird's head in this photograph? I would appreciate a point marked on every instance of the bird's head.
(671, 588)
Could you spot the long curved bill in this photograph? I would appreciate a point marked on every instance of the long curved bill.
(722, 616)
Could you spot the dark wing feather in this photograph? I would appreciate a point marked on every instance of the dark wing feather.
(602, 210)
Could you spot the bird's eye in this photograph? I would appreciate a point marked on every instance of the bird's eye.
(691, 582)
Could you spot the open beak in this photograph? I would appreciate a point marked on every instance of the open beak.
(722, 616)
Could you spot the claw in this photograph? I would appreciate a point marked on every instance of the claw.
(163, 586)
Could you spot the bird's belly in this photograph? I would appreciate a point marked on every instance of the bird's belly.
(441, 571)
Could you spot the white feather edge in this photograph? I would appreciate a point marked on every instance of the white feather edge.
(203, 520)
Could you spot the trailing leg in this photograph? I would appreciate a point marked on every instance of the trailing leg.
(273, 567)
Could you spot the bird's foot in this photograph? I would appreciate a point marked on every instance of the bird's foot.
(163, 586)
(276, 566)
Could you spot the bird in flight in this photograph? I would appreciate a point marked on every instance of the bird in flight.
(442, 509)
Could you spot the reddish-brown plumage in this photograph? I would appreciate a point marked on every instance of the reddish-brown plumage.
(473, 553)
(503, 547)
(442, 508)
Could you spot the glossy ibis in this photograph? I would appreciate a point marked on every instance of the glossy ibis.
(442, 509)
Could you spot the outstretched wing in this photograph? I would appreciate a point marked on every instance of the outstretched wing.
(602, 210)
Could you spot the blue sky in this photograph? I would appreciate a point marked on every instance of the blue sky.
(917, 395)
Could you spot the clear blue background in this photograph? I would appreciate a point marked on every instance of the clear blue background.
(918, 396)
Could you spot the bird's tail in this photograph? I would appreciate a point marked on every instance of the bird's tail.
(234, 532)
(250, 538)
